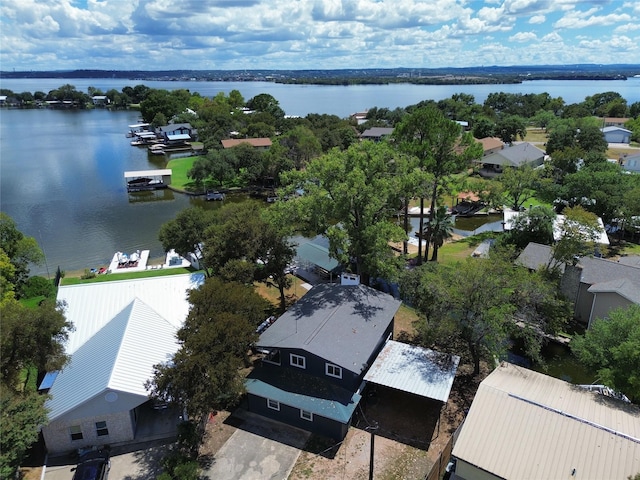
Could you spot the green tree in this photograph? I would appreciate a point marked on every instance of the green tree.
(532, 225)
(350, 197)
(611, 347)
(478, 302)
(484, 127)
(300, 145)
(442, 150)
(510, 128)
(205, 373)
(591, 139)
(578, 233)
(186, 234)
(163, 102)
(519, 184)
(442, 230)
(20, 249)
(20, 416)
(562, 136)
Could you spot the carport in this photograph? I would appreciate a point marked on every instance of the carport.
(416, 370)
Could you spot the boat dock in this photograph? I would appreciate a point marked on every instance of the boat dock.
(141, 180)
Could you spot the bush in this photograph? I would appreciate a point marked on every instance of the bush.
(39, 286)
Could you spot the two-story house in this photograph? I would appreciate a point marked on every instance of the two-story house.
(316, 356)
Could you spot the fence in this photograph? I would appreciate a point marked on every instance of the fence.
(438, 468)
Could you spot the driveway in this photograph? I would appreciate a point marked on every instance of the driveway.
(141, 464)
(260, 449)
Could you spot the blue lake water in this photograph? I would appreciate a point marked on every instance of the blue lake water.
(61, 172)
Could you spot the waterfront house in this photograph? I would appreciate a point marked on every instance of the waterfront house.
(615, 121)
(595, 286)
(616, 134)
(376, 134)
(526, 425)
(257, 143)
(122, 329)
(510, 156)
(100, 100)
(176, 133)
(316, 355)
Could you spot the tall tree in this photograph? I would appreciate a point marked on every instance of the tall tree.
(21, 250)
(205, 373)
(519, 184)
(442, 150)
(510, 128)
(533, 225)
(442, 230)
(479, 301)
(186, 234)
(577, 236)
(350, 197)
(611, 347)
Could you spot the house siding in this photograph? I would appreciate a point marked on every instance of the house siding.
(605, 302)
(291, 416)
(58, 439)
(466, 471)
(316, 366)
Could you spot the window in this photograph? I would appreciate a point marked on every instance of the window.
(306, 415)
(333, 370)
(101, 429)
(297, 361)
(272, 357)
(273, 405)
(76, 432)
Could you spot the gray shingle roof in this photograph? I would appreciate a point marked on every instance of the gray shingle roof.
(340, 323)
(515, 155)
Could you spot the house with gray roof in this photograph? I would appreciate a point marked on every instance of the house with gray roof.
(616, 134)
(376, 133)
(514, 156)
(594, 285)
(316, 355)
(631, 163)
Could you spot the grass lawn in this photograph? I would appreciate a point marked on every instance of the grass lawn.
(32, 302)
(179, 168)
(536, 135)
(111, 277)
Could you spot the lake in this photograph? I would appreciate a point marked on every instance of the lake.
(61, 172)
(345, 100)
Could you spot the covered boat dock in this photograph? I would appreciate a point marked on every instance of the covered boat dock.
(141, 180)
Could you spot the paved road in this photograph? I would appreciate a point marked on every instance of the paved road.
(260, 449)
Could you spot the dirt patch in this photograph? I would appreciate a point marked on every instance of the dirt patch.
(411, 433)
(217, 432)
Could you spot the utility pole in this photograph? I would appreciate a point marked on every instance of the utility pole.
(372, 429)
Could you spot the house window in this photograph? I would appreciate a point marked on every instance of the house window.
(101, 429)
(333, 370)
(273, 405)
(272, 357)
(297, 361)
(76, 432)
(306, 415)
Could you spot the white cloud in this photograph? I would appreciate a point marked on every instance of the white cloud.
(523, 37)
(576, 19)
(537, 19)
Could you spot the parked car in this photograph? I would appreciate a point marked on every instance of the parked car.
(93, 465)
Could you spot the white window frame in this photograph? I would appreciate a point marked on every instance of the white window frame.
(102, 431)
(297, 358)
(306, 415)
(75, 430)
(273, 404)
(337, 371)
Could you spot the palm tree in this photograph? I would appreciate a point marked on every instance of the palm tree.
(441, 230)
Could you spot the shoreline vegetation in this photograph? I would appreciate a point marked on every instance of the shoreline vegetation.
(380, 76)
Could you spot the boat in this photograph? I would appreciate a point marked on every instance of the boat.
(214, 195)
(145, 183)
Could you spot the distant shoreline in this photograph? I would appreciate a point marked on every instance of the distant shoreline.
(492, 75)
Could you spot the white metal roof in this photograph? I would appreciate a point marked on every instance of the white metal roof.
(526, 425)
(147, 173)
(179, 136)
(415, 370)
(119, 335)
(119, 358)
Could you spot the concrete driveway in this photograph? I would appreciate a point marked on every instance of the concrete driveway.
(260, 449)
(141, 464)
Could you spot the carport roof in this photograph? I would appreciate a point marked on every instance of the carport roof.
(415, 370)
(318, 255)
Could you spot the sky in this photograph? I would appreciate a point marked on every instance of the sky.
(314, 34)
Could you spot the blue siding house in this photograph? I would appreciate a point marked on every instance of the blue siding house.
(316, 356)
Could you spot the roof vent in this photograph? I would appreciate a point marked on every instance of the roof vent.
(349, 279)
